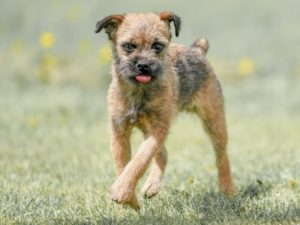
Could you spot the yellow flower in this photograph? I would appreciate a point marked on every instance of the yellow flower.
(210, 168)
(33, 121)
(49, 61)
(245, 67)
(47, 40)
(105, 54)
(293, 183)
(46, 66)
(190, 179)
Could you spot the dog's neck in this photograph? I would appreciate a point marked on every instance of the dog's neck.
(140, 92)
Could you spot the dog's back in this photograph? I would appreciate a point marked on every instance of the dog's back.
(191, 68)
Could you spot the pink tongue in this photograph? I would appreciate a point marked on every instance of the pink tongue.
(143, 78)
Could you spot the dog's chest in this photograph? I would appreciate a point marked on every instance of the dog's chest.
(136, 110)
(138, 107)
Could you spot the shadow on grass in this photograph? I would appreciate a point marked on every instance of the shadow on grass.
(215, 207)
(251, 205)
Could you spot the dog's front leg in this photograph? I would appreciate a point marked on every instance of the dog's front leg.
(123, 189)
(120, 144)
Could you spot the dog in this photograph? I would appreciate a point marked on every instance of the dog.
(152, 81)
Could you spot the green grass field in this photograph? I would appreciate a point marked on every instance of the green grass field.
(56, 167)
(55, 162)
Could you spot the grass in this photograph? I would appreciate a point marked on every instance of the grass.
(56, 167)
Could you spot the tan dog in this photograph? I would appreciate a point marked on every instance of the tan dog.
(153, 80)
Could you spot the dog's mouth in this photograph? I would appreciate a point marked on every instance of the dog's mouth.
(142, 78)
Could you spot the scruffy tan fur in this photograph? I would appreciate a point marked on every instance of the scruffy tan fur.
(182, 80)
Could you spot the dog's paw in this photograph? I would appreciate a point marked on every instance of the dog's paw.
(122, 194)
(151, 188)
(228, 190)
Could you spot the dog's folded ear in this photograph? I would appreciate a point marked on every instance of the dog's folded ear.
(110, 24)
(171, 17)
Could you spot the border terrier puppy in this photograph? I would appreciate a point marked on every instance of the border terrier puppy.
(152, 81)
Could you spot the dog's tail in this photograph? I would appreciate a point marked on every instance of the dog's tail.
(201, 43)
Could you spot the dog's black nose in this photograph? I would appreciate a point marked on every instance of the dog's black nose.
(143, 67)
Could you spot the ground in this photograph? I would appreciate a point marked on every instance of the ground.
(56, 167)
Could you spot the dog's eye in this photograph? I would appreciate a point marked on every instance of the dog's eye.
(128, 47)
(158, 47)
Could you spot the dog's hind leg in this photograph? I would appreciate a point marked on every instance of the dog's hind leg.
(210, 107)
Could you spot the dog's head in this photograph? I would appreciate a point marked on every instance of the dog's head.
(140, 43)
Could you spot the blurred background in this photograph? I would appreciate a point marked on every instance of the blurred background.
(54, 75)
(55, 71)
(254, 46)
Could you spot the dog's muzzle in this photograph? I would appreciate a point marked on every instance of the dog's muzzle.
(144, 69)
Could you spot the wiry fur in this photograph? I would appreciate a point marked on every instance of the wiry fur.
(182, 80)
